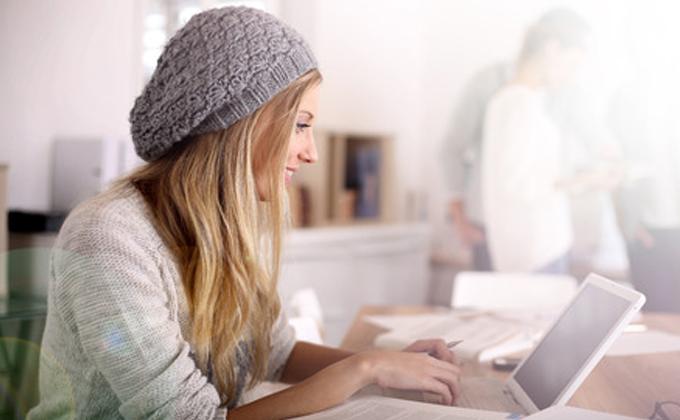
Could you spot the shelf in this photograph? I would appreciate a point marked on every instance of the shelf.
(350, 183)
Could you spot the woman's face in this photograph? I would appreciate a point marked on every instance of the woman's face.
(301, 148)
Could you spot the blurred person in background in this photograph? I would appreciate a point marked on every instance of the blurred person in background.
(569, 105)
(643, 117)
(524, 182)
(462, 160)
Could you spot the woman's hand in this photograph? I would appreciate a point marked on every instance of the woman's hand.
(414, 371)
(434, 347)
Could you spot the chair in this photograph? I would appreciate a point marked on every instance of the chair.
(306, 316)
(510, 291)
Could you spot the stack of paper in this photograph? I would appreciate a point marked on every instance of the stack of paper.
(485, 335)
(371, 408)
(646, 342)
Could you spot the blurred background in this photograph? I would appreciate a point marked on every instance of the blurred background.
(393, 210)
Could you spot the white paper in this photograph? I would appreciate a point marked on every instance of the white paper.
(647, 342)
(397, 322)
(572, 413)
(484, 335)
(372, 408)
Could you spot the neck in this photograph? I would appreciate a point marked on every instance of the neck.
(529, 74)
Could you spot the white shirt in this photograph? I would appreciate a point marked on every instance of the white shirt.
(527, 215)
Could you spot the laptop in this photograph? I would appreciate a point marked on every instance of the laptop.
(548, 376)
(565, 356)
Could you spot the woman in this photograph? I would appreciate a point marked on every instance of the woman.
(162, 300)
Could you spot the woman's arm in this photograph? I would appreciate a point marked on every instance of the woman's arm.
(306, 359)
(337, 382)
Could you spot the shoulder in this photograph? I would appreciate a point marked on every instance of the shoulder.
(118, 217)
(485, 82)
(109, 244)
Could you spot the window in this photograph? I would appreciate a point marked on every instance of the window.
(162, 18)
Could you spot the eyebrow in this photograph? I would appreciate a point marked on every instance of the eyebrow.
(311, 116)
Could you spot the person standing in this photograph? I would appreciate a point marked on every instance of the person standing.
(524, 181)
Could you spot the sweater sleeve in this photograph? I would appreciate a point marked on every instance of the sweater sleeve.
(113, 295)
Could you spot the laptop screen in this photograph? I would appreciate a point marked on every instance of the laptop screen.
(564, 349)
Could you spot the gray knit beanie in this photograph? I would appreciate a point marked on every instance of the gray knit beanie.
(220, 67)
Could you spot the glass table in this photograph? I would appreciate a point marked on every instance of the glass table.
(22, 321)
(20, 308)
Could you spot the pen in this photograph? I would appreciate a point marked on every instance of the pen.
(454, 343)
(449, 345)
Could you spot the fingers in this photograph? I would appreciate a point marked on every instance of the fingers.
(451, 368)
(449, 375)
(419, 345)
(435, 347)
(445, 373)
(439, 388)
(420, 371)
(441, 351)
(451, 381)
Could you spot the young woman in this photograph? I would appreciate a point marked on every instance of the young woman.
(162, 299)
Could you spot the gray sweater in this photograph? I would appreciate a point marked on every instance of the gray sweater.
(116, 340)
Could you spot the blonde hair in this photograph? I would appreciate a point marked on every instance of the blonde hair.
(225, 237)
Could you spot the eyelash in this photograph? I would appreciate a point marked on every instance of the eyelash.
(300, 127)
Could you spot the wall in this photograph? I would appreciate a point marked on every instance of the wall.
(370, 53)
(70, 68)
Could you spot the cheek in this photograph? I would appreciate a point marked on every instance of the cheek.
(293, 149)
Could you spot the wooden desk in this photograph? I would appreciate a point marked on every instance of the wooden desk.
(627, 385)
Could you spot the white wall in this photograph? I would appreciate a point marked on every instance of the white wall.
(371, 55)
(70, 68)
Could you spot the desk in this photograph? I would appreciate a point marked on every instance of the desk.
(627, 385)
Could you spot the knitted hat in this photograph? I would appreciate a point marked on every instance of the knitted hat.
(220, 67)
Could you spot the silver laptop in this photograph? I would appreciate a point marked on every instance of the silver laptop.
(566, 354)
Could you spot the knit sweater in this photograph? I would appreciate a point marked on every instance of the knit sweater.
(116, 341)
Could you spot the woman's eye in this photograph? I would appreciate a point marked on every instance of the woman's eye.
(300, 127)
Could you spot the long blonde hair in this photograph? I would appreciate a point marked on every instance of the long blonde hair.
(226, 239)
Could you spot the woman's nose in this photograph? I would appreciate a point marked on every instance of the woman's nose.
(310, 154)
